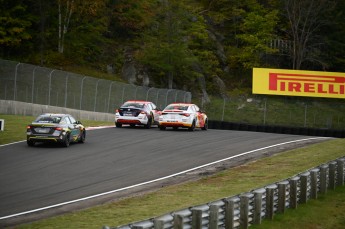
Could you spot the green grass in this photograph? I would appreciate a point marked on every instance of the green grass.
(328, 211)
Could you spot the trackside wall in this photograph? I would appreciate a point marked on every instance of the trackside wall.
(29, 109)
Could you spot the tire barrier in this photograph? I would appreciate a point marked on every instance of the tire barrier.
(214, 124)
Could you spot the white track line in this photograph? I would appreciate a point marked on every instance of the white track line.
(152, 181)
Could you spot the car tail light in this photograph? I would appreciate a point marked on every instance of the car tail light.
(117, 110)
(143, 112)
(28, 127)
(58, 128)
(185, 114)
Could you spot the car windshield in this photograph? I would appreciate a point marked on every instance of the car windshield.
(48, 119)
(177, 107)
(134, 105)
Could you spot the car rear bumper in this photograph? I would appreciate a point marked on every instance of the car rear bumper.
(175, 124)
(131, 120)
(45, 138)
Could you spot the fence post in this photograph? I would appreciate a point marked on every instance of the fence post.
(15, 82)
(196, 218)
(244, 210)
(340, 171)
(50, 85)
(270, 201)
(178, 221)
(159, 222)
(223, 109)
(258, 205)
(282, 196)
(293, 192)
(313, 183)
(230, 212)
(304, 187)
(332, 170)
(95, 103)
(81, 91)
(214, 214)
(323, 179)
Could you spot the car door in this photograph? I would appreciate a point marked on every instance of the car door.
(156, 112)
(200, 117)
(74, 129)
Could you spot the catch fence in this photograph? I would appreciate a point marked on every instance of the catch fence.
(40, 85)
(246, 209)
(285, 111)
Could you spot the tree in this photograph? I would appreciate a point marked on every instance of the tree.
(255, 32)
(306, 18)
(79, 7)
(15, 23)
(165, 48)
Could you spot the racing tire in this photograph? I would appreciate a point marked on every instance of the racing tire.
(192, 128)
(118, 125)
(30, 143)
(162, 127)
(66, 141)
(205, 127)
(132, 125)
(82, 137)
(149, 123)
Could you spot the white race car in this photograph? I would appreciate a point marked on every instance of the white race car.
(185, 115)
(136, 112)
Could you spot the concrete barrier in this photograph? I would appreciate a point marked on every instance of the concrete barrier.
(29, 109)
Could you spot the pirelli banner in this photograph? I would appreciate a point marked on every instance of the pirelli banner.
(298, 83)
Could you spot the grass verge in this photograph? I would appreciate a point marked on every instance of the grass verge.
(326, 212)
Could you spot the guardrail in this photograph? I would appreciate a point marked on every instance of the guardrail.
(246, 209)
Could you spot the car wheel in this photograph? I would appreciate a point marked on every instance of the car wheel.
(118, 125)
(162, 127)
(30, 143)
(132, 125)
(205, 127)
(82, 137)
(148, 125)
(66, 141)
(175, 127)
(192, 128)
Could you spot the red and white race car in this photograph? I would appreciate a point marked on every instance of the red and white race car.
(137, 112)
(185, 115)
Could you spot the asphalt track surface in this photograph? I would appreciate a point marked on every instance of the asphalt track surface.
(34, 179)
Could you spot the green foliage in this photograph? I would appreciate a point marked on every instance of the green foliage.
(176, 41)
(14, 23)
(257, 31)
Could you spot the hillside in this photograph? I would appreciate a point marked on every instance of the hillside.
(204, 46)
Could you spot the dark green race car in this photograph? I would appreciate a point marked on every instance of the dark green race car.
(59, 128)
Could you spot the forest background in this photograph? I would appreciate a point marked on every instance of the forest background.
(204, 46)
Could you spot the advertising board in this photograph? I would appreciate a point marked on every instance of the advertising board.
(298, 83)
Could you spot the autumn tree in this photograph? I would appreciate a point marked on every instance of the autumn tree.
(306, 18)
(78, 8)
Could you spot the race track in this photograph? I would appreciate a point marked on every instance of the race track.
(39, 177)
